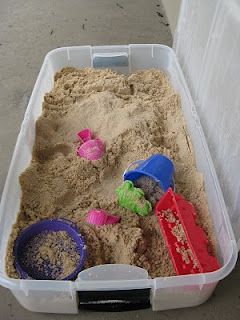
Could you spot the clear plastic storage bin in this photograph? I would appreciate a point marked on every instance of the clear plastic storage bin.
(119, 285)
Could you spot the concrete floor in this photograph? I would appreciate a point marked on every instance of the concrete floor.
(28, 30)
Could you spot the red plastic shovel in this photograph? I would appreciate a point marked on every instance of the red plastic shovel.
(186, 242)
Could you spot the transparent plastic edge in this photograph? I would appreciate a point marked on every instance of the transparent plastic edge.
(5, 281)
(19, 138)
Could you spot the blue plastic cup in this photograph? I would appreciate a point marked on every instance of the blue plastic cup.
(157, 167)
(44, 226)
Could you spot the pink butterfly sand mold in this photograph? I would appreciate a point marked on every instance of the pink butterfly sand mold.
(100, 217)
(90, 149)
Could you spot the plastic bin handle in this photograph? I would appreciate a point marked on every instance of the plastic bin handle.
(106, 60)
(115, 300)
(106, 272)
(112, 299)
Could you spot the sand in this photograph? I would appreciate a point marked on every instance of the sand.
(152, 191)
(135, 116)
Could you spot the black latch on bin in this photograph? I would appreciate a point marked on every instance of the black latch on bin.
(118, 300)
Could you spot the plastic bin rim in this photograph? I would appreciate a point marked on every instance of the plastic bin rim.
(115, 46)
(159, 282)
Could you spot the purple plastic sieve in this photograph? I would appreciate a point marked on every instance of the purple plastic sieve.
(33, 230)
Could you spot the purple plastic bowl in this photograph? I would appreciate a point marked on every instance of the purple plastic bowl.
(33, 230)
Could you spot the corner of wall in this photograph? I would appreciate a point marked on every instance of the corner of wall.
(172, 8)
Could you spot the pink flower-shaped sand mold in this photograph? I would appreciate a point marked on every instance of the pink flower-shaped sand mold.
(99, 217)
(90, 149)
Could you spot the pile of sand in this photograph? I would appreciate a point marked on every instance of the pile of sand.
(135, 116)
